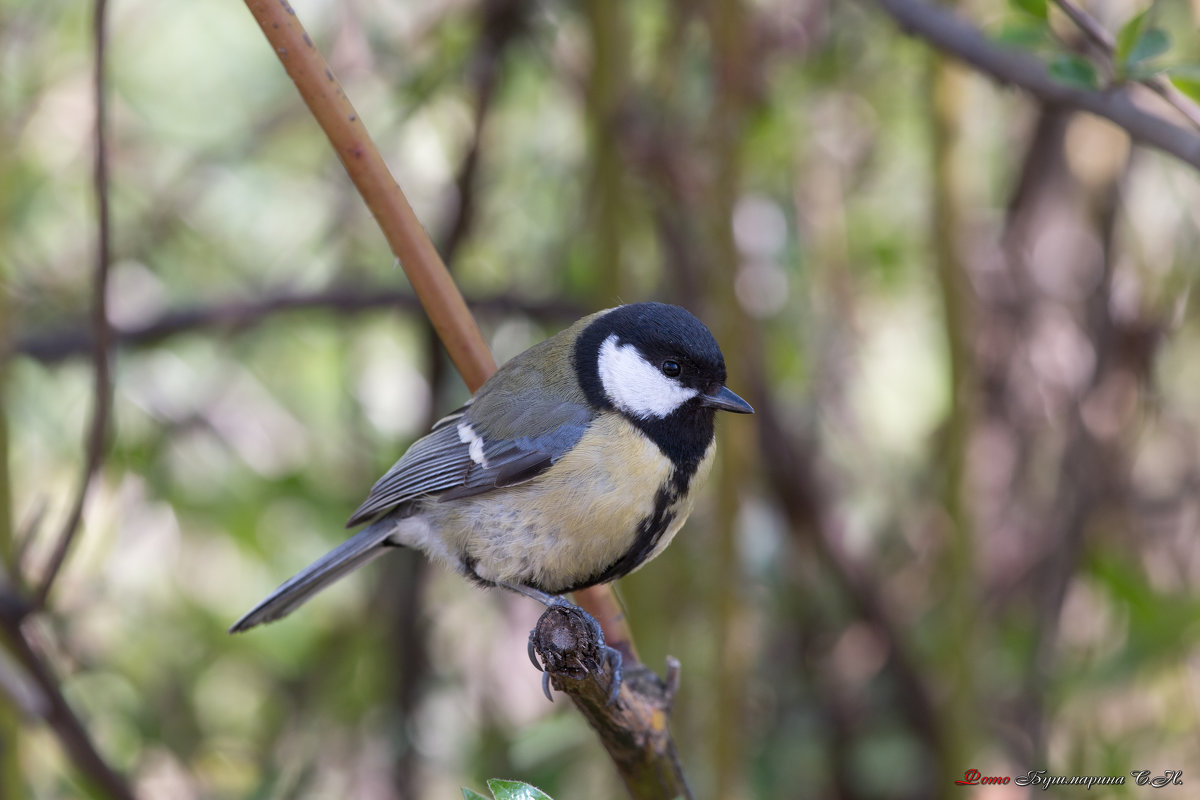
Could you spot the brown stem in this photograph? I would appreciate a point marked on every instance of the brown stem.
(735, 65)
(53, 707)
(333, 111)
(73, 339)
(605, 94)
(431, 281)
(633, 724)
(1104, 40)
(957, 570)
(957, 38)
(97, 435)
(809, 506)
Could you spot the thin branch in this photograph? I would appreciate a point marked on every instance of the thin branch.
(948, 201)
(52, 706)
(734, 71)
(1089, 486)
(430, 280)
(336, 115)
(1090, 26)
(950, 34)
(502, 23)
(97, 435)
(1107, 44)
(807, 505)
(74, 338)
(633, 724)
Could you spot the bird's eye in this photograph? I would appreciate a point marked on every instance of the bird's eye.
(671, 369)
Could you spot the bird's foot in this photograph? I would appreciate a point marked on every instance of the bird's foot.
(570, 644)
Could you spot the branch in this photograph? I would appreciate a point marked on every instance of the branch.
(52, 706)
(948, 33)
(633, 726)
(428, 275)
(74, 338)
(333, 111)
(502, 23)
(97, 435)
(807, 505)
(1102, 39)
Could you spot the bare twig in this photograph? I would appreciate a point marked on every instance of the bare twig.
(74, 338)
(632, 725)
(428, 275)
(336, 115)
(501, 24)
(97, 435)
(806, 503)
(1090, 26)
(52, 705)
(1089, 486)
(1107, 44)
(734, 73)
(949, 199)
(950, 34)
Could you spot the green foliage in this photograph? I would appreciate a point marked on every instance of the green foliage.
(1130, 35)
(1151, 44)
(1024, 34)
(1187, 79)
(508, 790)
(1074, 70)
(1163, 625)
(1038, 9)
(1137, 43)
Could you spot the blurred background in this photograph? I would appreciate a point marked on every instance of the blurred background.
(961, 532)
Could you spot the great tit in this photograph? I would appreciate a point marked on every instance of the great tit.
(573, 465)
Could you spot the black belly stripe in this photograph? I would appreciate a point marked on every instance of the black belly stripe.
(649, 532)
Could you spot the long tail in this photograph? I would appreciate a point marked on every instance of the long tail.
(346, 557)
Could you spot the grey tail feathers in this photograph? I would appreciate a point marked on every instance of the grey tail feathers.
(343, 559)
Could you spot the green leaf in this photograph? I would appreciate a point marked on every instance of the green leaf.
(1074, 70)
(515, 790)
(1036, 8)
(1023, 35)
(1161, 622)
(1151, 43)
(470, 795)
(1128, 36)
(1186, 78)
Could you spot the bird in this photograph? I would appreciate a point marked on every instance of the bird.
(573, 465)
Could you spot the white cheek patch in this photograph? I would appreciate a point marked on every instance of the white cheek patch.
(636, 386)
(474, 442)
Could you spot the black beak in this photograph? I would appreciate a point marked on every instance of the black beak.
(726, 401)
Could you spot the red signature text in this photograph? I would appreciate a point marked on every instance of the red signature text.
(973, 777)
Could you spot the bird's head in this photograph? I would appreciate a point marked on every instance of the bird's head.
(652, 361)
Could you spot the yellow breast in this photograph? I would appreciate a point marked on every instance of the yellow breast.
(571, 522)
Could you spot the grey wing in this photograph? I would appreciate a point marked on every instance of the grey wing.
(437, 461)
(458, 458)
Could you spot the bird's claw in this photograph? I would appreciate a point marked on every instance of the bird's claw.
(607, 655)
(550, 660)
(532, 651)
